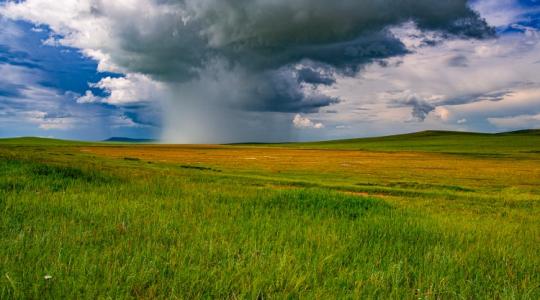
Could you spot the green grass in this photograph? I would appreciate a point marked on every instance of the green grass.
(439, 141)
(136, 227)
(35, 141)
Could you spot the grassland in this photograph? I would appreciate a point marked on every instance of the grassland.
(433, 215)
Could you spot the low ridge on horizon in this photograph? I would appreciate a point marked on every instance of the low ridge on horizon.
(423, 133)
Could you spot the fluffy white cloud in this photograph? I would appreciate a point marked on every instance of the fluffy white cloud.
(133, 88)
(304, 122)
(128, 90)
(89, 97)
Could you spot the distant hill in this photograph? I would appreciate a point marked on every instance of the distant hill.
(470, 143)
(129, 140)
(522, 132)
(57, 142)
(32, 141)
(525, 141)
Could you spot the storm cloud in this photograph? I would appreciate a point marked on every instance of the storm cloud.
(244, 55)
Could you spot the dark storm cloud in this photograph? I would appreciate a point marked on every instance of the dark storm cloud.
(262, 36)
(312, 76)
(269, 34)
(281, 91)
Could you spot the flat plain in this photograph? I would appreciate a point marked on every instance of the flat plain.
(431, 215)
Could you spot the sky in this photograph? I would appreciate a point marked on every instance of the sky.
(218, 71)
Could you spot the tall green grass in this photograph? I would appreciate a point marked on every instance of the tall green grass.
(104, 228)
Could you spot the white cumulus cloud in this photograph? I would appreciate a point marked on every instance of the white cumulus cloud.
(304, 122)
(133, 88)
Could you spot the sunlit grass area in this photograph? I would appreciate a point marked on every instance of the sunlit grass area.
(81, 220)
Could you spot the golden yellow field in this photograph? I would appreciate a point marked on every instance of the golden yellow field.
(345, 166)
